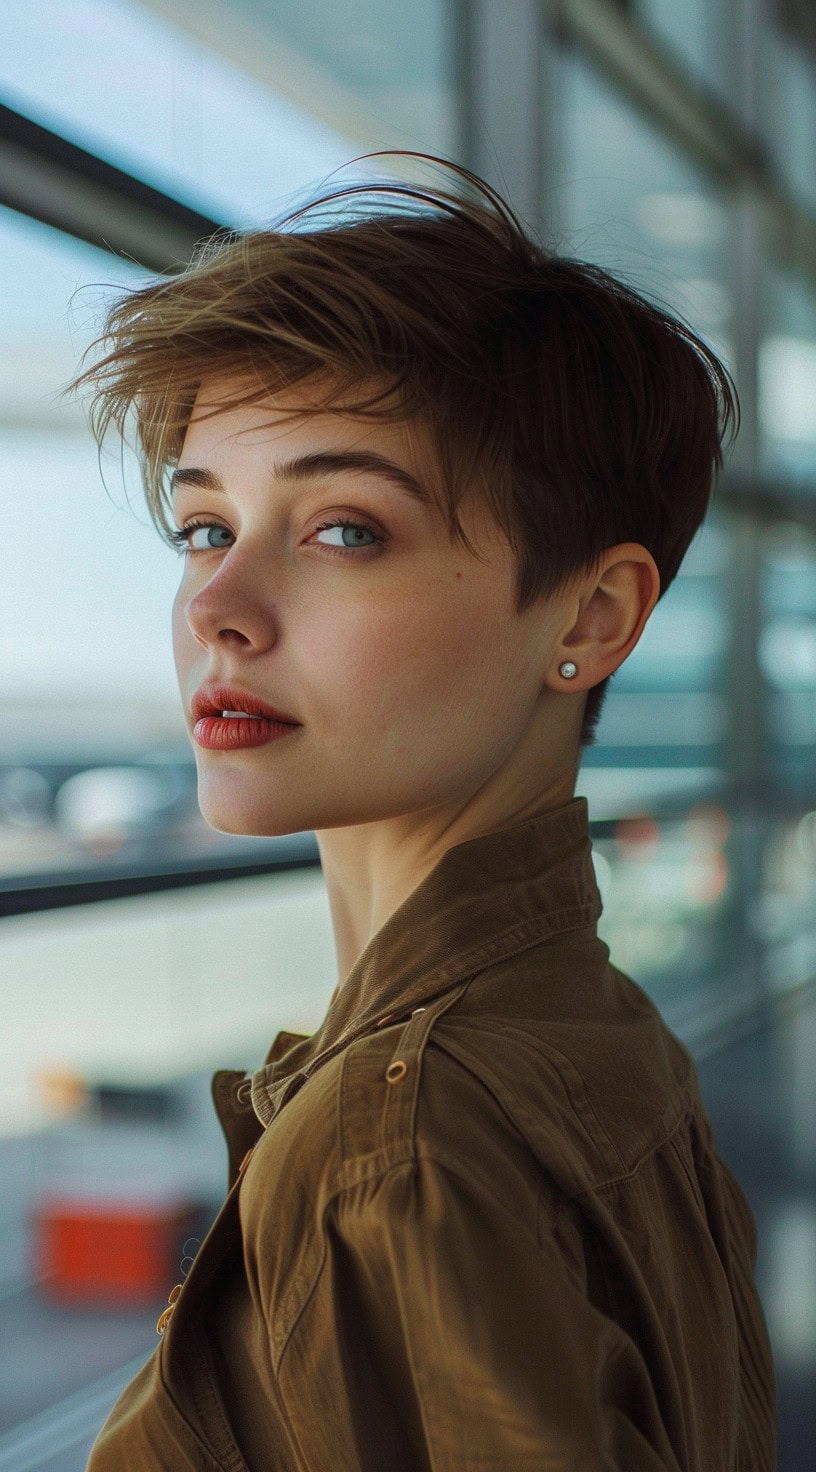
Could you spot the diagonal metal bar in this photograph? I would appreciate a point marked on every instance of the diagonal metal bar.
(701, 123)
(54, 180)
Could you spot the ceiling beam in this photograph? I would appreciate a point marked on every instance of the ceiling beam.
(55, 181)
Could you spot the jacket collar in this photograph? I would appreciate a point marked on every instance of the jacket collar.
(486, 899)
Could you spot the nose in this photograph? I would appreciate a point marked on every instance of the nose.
(225, 613)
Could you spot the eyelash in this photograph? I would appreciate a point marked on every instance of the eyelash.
(179, 538)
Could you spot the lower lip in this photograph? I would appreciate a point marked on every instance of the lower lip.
(228, 733)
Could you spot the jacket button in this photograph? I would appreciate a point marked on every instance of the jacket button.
(164, 1319)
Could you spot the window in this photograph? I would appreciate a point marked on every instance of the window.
(633, 203)
(704, 36)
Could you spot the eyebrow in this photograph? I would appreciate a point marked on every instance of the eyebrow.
(309, 467)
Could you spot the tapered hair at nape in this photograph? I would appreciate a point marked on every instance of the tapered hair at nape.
(584, 414)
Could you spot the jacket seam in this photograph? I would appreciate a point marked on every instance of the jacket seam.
(629, 1175)
(531, 932)
(307, 1295)
(685, 1107)
(688, 1174)
(230, 1456)
(201, 1446)
(515, 1107)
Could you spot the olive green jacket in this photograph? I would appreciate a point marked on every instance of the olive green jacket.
(483, 1224)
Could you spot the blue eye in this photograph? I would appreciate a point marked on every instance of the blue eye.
(355, 526)
(180, 537)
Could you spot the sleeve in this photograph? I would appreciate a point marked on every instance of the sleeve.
(440, 1336)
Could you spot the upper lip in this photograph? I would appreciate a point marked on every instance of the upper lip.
(211, 699)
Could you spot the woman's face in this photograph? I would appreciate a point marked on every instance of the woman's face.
(401, 655)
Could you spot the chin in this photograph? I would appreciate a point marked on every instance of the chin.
(227, 818)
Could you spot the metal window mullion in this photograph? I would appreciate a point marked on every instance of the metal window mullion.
(501, 100)
(749, 235)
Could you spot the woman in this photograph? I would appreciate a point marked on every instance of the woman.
(429, 480)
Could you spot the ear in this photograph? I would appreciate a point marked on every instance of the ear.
(613, 607)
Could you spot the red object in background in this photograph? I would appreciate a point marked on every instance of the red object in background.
(117, 1252)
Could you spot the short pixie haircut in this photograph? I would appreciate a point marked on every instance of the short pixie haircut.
(585, 415)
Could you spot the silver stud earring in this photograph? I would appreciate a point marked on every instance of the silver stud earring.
(568, 669)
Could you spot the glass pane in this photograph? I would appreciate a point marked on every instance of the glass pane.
(787, 78)
(787, 374)
(787, 652)
(634, 203)
(636, 206)
(42, 316)
(238, 120)
(391, 65)
(85, 597)
(704, 35)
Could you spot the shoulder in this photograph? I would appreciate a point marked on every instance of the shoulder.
(422, 1108)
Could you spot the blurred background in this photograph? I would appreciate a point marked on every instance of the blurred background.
(672, 142)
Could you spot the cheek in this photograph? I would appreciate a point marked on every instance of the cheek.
(424, 660)
(361, 661)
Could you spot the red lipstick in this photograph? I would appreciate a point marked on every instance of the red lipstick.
(213, 698)
(229, 733)
(257, 724)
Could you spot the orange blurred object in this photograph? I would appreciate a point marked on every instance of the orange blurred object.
(637, 836)
(119, 1253)
(61, 1091)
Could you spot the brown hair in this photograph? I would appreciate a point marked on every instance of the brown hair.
(586, 415)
